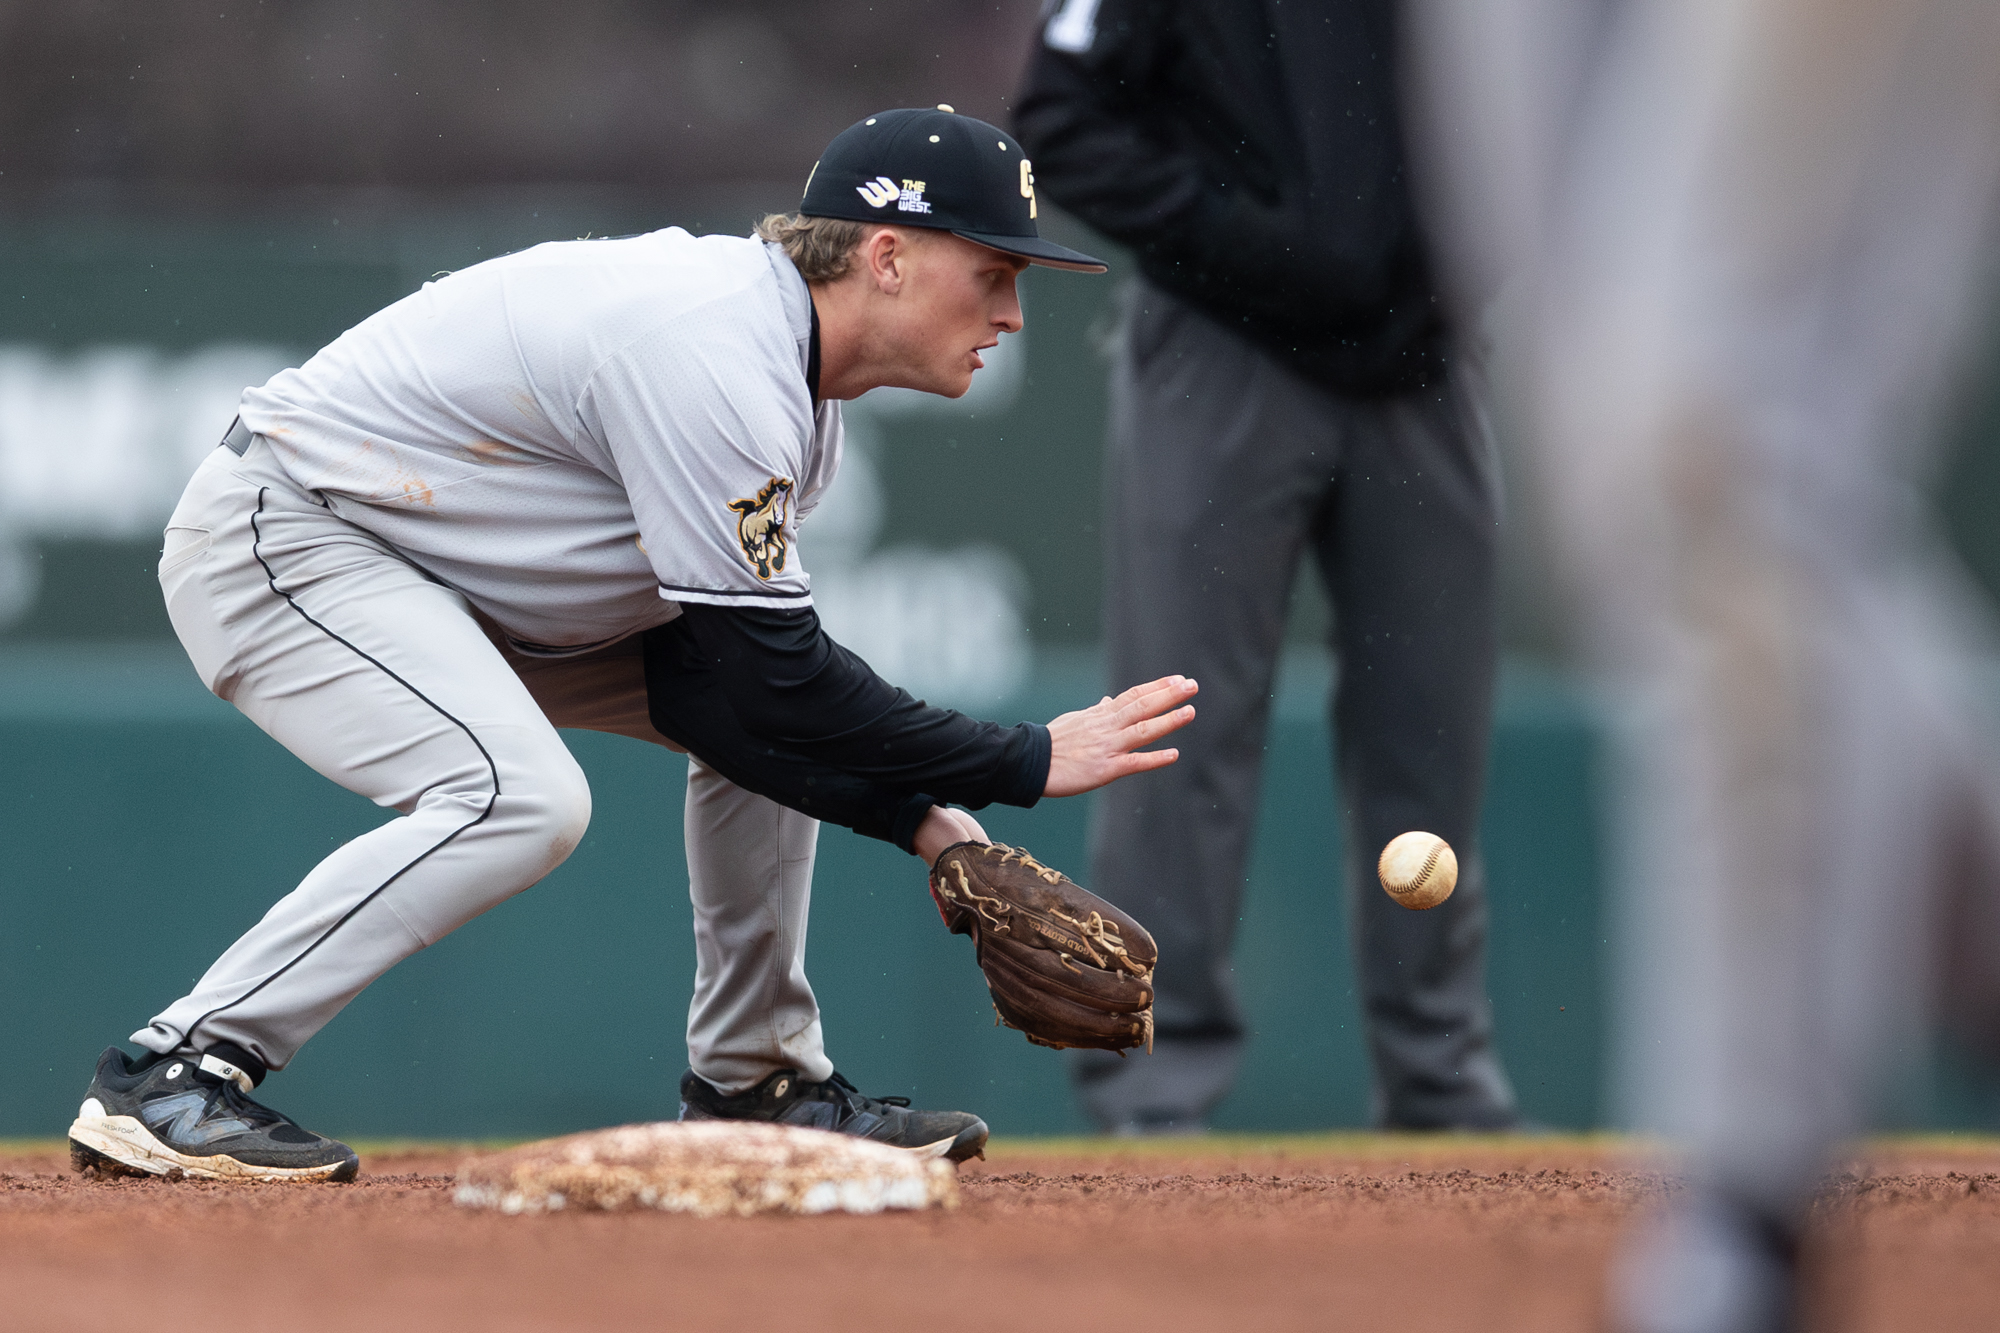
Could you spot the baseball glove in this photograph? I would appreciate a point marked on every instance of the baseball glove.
(1064, 966)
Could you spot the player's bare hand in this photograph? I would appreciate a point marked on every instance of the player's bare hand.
(1102, 743)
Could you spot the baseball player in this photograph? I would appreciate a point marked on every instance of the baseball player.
(1749, 232)
(565, 488)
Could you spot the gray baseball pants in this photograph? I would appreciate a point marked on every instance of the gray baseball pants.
(391, 685)
(1223, 471)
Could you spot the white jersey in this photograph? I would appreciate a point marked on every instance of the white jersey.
(577, 437)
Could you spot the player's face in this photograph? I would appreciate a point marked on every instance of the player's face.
(960, 299)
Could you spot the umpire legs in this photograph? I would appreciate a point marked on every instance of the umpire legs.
(1222, 468)
(1405, 541)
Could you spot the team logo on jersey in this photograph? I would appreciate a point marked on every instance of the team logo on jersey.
(909, 196)
(760, 526)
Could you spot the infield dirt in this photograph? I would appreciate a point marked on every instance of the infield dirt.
(1353, 1232)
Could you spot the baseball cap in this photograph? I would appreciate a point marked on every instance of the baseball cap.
(917, 167)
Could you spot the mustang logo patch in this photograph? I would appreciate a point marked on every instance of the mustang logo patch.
(760, 526)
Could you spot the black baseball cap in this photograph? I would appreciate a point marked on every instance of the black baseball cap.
(935, 168)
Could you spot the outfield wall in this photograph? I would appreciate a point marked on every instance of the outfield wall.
(145, 824)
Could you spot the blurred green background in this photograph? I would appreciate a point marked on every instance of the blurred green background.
(146, 824)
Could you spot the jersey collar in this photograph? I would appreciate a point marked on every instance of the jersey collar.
(812, 354)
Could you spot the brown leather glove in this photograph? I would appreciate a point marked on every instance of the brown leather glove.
(1064, 966)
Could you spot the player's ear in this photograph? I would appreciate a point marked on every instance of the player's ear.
(885, 258)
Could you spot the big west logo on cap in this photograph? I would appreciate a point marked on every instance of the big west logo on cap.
(909, 196)
(760, 526)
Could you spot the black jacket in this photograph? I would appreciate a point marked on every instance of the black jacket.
(1250, 153)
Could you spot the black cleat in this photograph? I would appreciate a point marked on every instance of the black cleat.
(192, 1116)
(786, 1099)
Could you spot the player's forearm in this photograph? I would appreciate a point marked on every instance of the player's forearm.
(912, 821)
(791, 688)
(697, 716)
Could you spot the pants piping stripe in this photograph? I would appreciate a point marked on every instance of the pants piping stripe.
(257, 537)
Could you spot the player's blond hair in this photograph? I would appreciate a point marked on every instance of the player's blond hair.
(821, 248)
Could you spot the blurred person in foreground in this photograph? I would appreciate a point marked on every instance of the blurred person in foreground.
(1749, 234)
(1284, 385)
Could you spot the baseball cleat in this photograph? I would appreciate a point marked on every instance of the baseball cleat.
(786, 1099)
(192, 1116)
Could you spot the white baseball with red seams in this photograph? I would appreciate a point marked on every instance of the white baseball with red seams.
(1419, 870)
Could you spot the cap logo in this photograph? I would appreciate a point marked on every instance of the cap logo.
(909, 196)
(1028, 185)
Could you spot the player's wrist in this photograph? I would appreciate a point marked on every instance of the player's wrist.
(943, 828)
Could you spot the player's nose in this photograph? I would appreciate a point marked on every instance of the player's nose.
(1007, 309)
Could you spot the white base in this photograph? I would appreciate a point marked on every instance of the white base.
(711, 1168)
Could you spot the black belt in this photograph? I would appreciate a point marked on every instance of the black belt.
(237, 438)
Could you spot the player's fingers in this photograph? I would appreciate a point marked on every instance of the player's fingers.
(1151, 729)
(1143, 701)
(1155, 708)
(1126, 696)
(1143, 761)
(1164, 686)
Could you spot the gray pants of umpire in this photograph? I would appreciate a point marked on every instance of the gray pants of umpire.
(1224, 469)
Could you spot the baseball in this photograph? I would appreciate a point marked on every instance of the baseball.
(1418, 870)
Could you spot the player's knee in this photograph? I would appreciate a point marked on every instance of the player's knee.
(552, 806)
(530, 792)
(569, 811)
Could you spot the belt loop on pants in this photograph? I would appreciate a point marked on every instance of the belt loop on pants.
(237, 438)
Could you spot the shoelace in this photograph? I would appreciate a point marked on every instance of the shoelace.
(852, 1100)
(238, 1104)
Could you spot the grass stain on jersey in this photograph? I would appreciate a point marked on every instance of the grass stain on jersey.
(495, 453)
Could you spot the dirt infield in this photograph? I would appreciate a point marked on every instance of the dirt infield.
(1352, 1232)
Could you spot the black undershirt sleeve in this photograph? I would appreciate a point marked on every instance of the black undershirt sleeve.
(765, 698)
